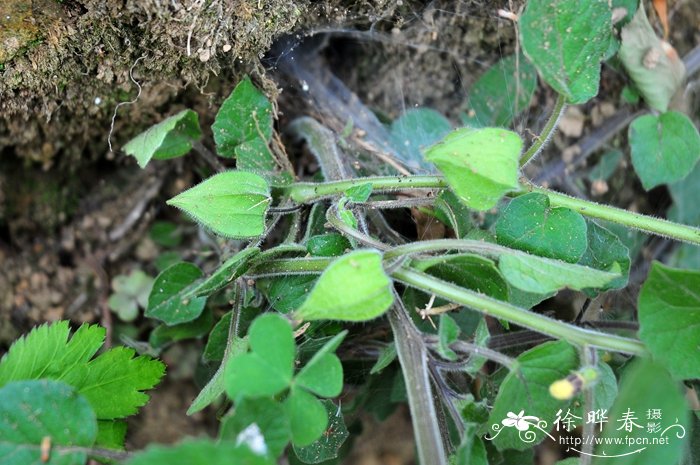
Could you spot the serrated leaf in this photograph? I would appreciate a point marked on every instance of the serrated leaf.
(268, 368)
(111, 434)
(269, 417)
(307, 417)
(114, 381)
(243, 128)
(170, 300)
(645, 386)
(529, 223)
(501, 93)
(526, 388)
(353, 288)
(172, 137)
(448, 332)
(655, 68)
(566, 40)
(327, 446)
(543, 276)
(603, 251)
(231, 269)
(32, 410)
(232, 204)
(46, 352)
(664, 148)
(200, 452)
(415, 131)
(480, 165)
(669, 319)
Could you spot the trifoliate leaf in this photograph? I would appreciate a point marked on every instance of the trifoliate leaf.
(669, 318)
(665, 148)
(353, 288)
(172, 137)
(171, 300)
(480, 165)
(232, 203)
(566, 40)
(33, 410)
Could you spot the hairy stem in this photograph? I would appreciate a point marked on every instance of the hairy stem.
(541, 141)
(413, 357)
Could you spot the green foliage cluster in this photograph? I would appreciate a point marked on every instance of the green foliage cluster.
(293, 295)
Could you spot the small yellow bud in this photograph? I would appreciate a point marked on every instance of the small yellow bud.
(562, 389)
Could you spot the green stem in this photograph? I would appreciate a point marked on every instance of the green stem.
(312, 192)
(644, 223)
(540, 141)
(309, 192)
(516, 315)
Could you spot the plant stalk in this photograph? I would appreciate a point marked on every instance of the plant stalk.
(541, 141)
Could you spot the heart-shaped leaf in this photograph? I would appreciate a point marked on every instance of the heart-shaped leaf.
(232, 203)
(307, 417)
(172, 137)
(170, 300)
(603, 251)
(566, 40)
(665, 148)
(268, 368)
(669, 318)
(529, 223)
(353, 288)
(480, 165)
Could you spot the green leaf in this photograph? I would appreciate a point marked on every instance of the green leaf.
(645, 386)
(686, 208)
(324, 377)
(216, 385)
(604, 250)
(287, 293)
(655, 74)
(172, 137)
(359, 193)
(604, 392)
(386, 357)
(501, 93)
(243, 128)
(453, 213)
(216, 344)
(269, 367)
(669, 319)
(526, 388)
(328, 245)
(471, 451)
(113, 382)
(529, 223)
(170, 300)
(566, 40)
(111, 434)
(46, 352)
(448, 332)
(268, 416)
(415, 131)
(32, 410)
(665, 148)
(164, 334)
(200, 452)
(471, 271)
(232, 204)
(231, 269)
(165, 234)
(480, 165)
(307, 417)
(606, 166)
(327, 446)
(543, 276)
(353, 288)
